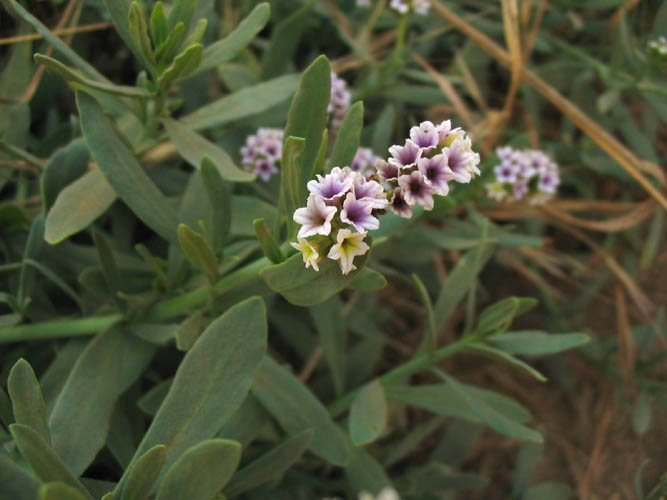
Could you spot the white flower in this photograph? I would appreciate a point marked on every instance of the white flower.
(348, 246)
(386, 494)
(310, 255)
(315, 218)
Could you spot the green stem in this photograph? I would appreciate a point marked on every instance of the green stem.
(416, 364)
(172, 308)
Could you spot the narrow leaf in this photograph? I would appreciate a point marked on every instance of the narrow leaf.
(119, 10)
(139, 32)
(184, 64)
(194, 148)
(367, 281)
(143, 474)
(202, 471)
(158, 24)
(229, 47)
(123, 171)
(348, 137)
(16, 483)
(507, 358)
(198, 252)
(108, 366)
(226, 355)
(537, 343)
(220, 200)
(267, 242)
(272, 465)
(296, 408)
(46, 465)
(368, 414)
(27, 400)
(60, 491)
(78, 205)
(243, 103)
(290, 180)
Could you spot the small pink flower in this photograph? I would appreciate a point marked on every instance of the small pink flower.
(416, 190)
(315, 218)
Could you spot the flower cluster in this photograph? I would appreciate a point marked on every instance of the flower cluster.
(364, 161)
(342, 206)
(423, 166)
(262, 152)
(529, 174)
(339, 101)
(386, 494)
(404, 6)
(659, 46)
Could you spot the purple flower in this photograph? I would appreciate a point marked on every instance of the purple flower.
(506, 172)
(339, 102)
(364, 160)
(405, 156)
(387, 171)
(358, 214)
(315, 218)
(520, 189)
(435, 172)
(265, 168)
(548, 182)
(332, 186)
(371, 192)
(457, 161)
(505, 154)
(416, 190)
(425, 136)
(399, 206)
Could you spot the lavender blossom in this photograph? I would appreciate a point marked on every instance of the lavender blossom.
(399, 206)
(426, 136)
(315, 218)
(339, 101)
(332, 186)
(405, 156)
(417, 190)
(358, 214)
(436, 172)
(364, 161)
(387, 171)
(370, 191)
(262, 152)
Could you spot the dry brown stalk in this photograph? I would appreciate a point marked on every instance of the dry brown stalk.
(59, 32)
(626, 158)
(626, 353)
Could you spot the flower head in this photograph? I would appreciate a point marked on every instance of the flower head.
(310, 255)
(315, 218)
(405, 156)
(358, 214)
(426, 136)
(398, 204)
(332, 186)
(364, 161)
(417, 190)
(371, 192)
(436, 172)
(339, 101)
(262, 152)
(348, 245)
(387, 171)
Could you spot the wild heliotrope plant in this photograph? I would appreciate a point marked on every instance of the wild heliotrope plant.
(344, 205)
(528, 174)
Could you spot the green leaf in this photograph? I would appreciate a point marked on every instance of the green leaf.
(15, 482)
(367, 281)
(33, 249)
(431, 337)
(307, 116)
(158, 25)
(272, 465)
(65, 166)
(27, 400)
(229, 47)
(194, 148)
(284, 41)
(60, 491)
(166, 51)
(365, 473)
(348, 137)
(307, 287)
(138, 30)
(459, 281)
(494, 353)
(290, 180)
(143, 474)
(119, 12)
(296, 408)
(108, 366)
(196, 34)
(368, 414)
(243, 103)
(332, 330)
(181, 12)
(383, 129)
(492, 417)
(55, 41)
(123, 171)
(108, 264)
(318, 166)
(220, 200)
(198, 252)
(497, 317)
(78, 205)
(184, 64)
(201, 471)
(225, 356)
(267, 242)
(189, 330)
(537, 342)
(46, 465)
(56, 67)
(642, 413)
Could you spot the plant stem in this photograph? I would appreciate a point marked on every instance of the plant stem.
(416, 364)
